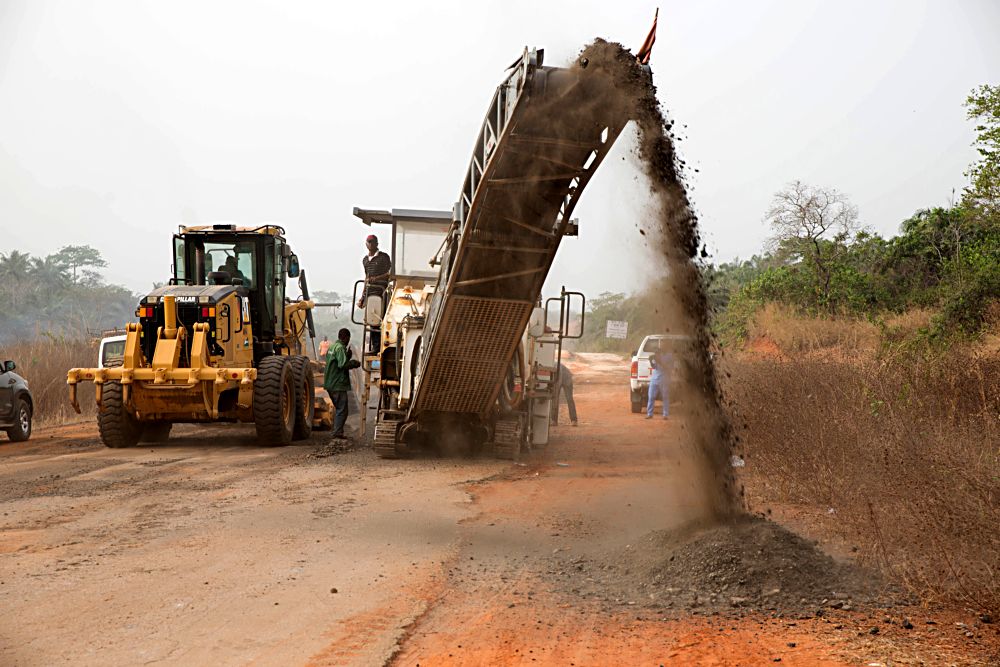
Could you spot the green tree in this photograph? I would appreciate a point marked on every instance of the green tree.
(75, 257)
(724, 280)
(49, 272)
(983, 193)
(14, 269)
(812, 224)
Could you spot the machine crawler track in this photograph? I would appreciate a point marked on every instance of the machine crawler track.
(507, 438)
(385, 441)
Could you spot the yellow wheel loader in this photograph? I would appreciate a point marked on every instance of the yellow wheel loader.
(219, 343)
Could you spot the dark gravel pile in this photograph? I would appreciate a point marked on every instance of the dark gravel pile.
(744, 565)
(333, 447)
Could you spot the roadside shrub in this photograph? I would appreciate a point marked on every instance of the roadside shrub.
(43, 362)
(905, 452)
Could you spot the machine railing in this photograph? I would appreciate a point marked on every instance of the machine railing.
(565, 301)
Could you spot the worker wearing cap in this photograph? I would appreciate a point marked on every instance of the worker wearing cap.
(378, 268)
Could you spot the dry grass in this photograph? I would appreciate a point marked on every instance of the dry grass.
(43, 362)
(905, 451)
(797, 334)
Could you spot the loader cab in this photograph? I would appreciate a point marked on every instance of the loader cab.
(254, 260)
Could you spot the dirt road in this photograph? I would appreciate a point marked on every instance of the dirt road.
(211, 550)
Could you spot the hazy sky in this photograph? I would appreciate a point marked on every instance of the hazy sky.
(121, 119)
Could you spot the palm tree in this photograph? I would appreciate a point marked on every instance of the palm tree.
(15, 266)
(14, 269)
(49, 272)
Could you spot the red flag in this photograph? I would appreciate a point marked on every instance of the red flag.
(647, 46)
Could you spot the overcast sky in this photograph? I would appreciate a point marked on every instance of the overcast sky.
(121, 119)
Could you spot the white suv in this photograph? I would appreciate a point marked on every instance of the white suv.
(112, 352)
(639, 377)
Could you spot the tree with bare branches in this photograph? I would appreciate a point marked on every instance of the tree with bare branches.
(813, 225)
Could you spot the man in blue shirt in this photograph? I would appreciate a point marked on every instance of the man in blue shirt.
(661, 364)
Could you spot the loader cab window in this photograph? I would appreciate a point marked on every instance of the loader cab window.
(267, 307)
(236, 259)
(416, 244)
(180, 261)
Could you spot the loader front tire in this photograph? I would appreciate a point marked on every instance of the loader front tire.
(305, 397)
(118, 427)
(274, 401)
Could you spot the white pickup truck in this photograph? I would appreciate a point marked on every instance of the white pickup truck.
(639, 376)
(111, 353)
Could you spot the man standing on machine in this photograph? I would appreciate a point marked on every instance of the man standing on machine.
(378, 268)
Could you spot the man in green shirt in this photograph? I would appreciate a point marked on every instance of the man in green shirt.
(337, 378)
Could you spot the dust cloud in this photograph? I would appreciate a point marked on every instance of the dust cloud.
(763, 565)
(682, 308)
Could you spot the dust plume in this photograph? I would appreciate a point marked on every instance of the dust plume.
(674, 235)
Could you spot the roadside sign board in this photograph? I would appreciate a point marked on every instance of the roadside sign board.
(616, 329)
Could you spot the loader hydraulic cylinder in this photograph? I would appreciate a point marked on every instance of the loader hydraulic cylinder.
(169, 317)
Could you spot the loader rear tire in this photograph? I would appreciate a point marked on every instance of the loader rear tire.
(274, 401)
(305, 397)
(118, 427)
(156, 432)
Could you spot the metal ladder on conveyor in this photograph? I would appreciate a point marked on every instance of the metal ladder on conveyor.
(546, 132)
